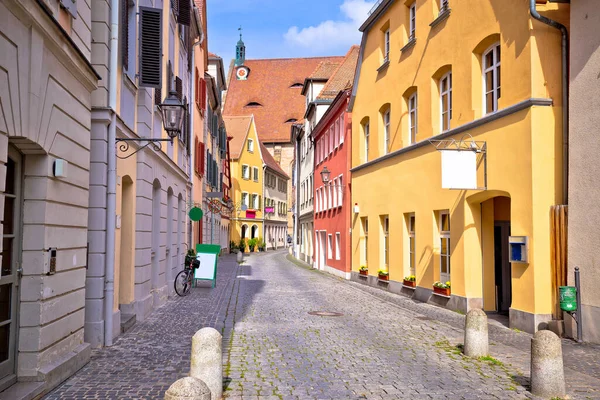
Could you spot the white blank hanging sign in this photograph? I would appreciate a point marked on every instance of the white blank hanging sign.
(459, 169)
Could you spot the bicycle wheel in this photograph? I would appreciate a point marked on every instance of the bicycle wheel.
(182, 283)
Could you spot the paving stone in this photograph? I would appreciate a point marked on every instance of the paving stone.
(272, 347)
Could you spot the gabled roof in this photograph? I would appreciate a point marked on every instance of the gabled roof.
(342, 77)
(237, 129)
(270, 161)
(269, 83)
(324, 71)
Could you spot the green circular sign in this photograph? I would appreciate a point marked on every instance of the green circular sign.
(196, 214)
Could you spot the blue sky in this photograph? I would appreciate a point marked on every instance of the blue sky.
(285, 28)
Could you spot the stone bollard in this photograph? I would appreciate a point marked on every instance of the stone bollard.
(476, 334)
(547, 374)
(240, 257)
(188, 389)
(207, 360)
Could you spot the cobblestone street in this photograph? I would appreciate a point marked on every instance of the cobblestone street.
(383, 346)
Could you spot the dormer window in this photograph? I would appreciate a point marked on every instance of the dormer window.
(291, 120)
(253, 104)
(297, 85)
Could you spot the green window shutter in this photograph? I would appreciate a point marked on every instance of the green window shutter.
(150, 47)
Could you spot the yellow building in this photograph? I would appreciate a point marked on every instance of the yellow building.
(484, 72)
(246, 178)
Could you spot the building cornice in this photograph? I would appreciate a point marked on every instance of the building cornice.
(463, 128)
(375, 15)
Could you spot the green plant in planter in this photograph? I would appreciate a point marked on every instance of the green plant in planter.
(242, 245)
(232, 245)
(363, 268)
(383, 272)
(442, 285)
(260, 244)
(252, 244)
(410, 278)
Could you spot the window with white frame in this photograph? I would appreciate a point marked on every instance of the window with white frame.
(446, 100)
(330, 201)
(340, 190)
(491, 78)
(245, 199)
(367, 133)
(335, 192)
(311, 189)
(412, 118)
(386, 53)
(444, 246)
(336, 133)
(411, 244)
(330, 135)
(255, 201)
(245, 172)
(342, 127)
(250, 145)
(443, 5)
(255, 170)
(385, 225)
(337, 245)
(413, 20)
(365, 240)
(329, 247)
(386, 131)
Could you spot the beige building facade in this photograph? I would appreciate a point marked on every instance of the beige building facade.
(584, 169)
(46, 82)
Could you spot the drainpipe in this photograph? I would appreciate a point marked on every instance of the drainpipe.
(111, 190)
(565, 94)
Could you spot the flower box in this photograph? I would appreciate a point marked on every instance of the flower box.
(384, 277)
(443, 292)
(363, 273)
(409, 283)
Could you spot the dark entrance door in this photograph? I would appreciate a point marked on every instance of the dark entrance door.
(502, 266)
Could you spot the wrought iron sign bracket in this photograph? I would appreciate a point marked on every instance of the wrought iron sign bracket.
(123, 145)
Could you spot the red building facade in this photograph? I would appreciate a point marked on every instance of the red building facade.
(332, 139)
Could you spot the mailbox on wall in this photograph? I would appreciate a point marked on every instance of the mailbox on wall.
(519, 249)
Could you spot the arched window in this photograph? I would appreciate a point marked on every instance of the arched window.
(254, 232)
(244, 229)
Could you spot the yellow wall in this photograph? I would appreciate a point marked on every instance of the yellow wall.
(523, 148)
(125, 235)
(239, 185)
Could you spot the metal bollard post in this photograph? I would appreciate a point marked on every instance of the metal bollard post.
(579, 319)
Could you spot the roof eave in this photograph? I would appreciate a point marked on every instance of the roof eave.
(375, 15)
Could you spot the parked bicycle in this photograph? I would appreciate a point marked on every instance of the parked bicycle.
(185, 278)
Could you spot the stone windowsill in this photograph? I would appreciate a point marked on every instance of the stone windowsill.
(409, 287)
(443, 15)
(383, 280)
(384, 66)
(411, 43)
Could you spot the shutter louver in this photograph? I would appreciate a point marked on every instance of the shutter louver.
(150, 47)
(183, 16)
(158, 96)
(201, 152)
(125, 33)
(179, 88)
(175, 7)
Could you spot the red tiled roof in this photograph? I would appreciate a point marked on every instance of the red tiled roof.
(269, 84)
(343, 77)
(270, 161)
(210, 54)
(324, 70)
(237, 128)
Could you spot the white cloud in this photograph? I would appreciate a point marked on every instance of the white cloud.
(333, 34)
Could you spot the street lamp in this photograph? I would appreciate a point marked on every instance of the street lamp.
(325, 173)
(173, 115)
